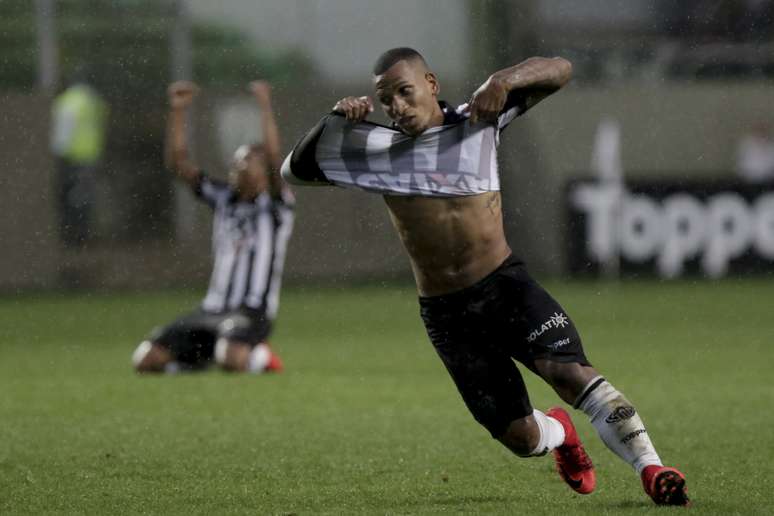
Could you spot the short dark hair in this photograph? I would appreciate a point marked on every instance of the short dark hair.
(392, 56)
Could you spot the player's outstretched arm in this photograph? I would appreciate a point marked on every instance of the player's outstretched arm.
(261, 90)
(176, 152)
(300, 167)
(532, 80)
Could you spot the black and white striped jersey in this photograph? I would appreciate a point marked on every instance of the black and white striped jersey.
(249, 242)
(455, 159)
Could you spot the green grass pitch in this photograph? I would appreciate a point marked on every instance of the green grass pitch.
(365, 419)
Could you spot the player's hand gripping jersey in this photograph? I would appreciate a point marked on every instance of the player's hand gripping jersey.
(455, 159)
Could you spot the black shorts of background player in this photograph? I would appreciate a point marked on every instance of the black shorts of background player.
(198, 339)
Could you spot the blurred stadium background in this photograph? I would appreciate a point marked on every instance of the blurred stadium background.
(683, 81)
(663, 92)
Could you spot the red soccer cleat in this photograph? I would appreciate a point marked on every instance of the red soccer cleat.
(275, 362)
(666, 486)
(572, 461)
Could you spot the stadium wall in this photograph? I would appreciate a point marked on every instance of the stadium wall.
(27, 233)
(669, 130)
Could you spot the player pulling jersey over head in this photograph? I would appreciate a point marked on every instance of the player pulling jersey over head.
(457, 158)
(480, 307)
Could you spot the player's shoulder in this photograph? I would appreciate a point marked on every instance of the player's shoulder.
(213, 190)
(213, 182)
(453, 115)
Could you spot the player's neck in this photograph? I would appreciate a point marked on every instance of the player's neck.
(437, 119)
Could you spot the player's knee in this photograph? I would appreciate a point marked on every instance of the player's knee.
(231, 356)
(149, 358)
(556, 373)
(567, 379)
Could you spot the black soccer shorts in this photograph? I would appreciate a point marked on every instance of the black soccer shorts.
(479, 330)
(191, 338)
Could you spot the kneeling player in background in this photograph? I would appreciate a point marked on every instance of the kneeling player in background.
(253, 220)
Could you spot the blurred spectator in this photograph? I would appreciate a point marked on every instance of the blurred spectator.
(78, 121)
(755, 155)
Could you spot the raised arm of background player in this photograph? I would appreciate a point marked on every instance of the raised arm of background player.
(176, 152)
(261, 90)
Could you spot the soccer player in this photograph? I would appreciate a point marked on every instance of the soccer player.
(253, 220)
(437, 169)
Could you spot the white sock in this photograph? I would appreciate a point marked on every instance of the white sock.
(142, 350)
(221, 349)
(259, 358)
(617, 423)
(551, 433)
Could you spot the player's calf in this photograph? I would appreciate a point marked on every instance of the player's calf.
(618, 424)
(236, 356)
(231, 355)
(523, 437)
(150, 357)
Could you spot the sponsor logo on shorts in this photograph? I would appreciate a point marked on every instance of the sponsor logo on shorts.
(620, 414)
(629, 437)
(556, 321)
(559, 343)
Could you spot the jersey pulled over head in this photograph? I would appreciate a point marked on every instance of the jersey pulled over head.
(431, 150)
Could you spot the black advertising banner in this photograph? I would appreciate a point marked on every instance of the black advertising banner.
(670, 228)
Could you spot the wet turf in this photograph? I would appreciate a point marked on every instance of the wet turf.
(365, 419)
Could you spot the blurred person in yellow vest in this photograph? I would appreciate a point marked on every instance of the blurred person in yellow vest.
(78, 123)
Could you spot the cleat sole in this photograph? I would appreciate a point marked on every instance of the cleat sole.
(669, 489)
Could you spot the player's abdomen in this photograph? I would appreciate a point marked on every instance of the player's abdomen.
(452, 242)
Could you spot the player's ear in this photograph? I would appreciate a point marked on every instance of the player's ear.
(435, 86)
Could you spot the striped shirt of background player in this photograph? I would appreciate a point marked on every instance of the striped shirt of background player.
(351, 155)
(249, 242)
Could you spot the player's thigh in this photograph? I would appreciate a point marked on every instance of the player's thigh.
(544, 338)
(245, 326)
(485, 375)
(189, 339)
(536, 326)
